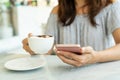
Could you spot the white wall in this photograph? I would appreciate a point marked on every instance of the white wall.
(29, 19)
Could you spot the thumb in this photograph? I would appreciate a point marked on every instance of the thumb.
(87, 50)
(30, 34)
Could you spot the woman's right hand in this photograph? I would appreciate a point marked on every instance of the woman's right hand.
(26, 45)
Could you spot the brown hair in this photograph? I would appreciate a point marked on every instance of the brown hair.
(67, 10)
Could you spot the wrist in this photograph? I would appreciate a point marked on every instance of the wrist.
(96, 56)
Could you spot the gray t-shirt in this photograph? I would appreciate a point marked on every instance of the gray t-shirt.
(82, 32)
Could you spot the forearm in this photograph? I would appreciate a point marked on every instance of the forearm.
(110, 54)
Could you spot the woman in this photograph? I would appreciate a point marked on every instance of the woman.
(93, 23)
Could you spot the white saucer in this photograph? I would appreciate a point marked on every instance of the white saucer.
(27, 63)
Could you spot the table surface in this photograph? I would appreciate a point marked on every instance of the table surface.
(55, 69)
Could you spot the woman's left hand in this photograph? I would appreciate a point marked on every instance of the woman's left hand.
(88, 57)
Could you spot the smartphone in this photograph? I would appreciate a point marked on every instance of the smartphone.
(74, 48)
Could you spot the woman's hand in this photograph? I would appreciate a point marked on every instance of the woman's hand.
(88, 57)
(26, 45)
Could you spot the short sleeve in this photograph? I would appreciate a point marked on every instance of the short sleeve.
(51, 27)
(113, 20)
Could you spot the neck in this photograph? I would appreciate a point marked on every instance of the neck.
(80, 3)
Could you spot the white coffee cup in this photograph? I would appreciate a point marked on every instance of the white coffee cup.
(41, 44)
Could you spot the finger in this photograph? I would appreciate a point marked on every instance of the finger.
(69, 55)
(87, 50)
(69, 61)
(30, 34)
(25, 41)
(27, 49)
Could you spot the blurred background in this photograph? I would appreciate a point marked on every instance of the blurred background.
(20, 17)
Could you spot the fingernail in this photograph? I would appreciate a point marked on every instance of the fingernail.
(83, 49)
